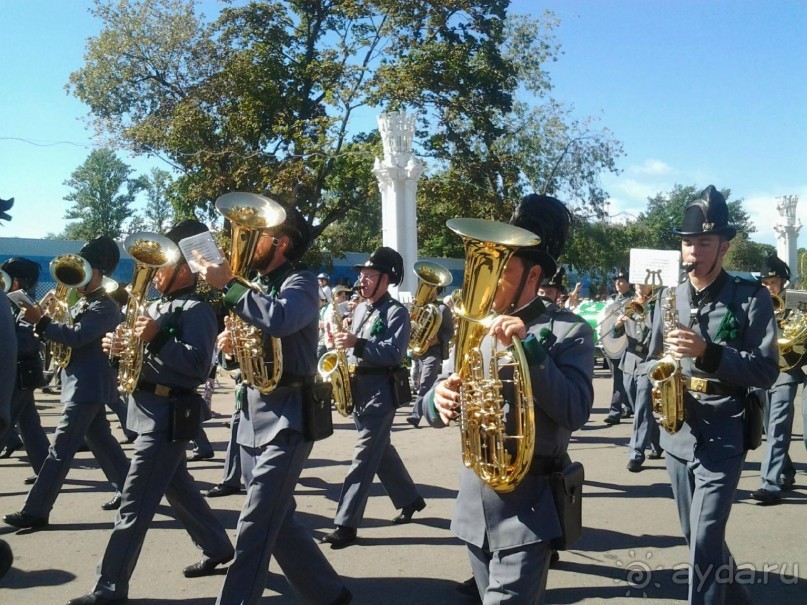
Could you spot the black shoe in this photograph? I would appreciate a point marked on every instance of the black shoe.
(198, 457)
(409, 510)
(414, 421)
(765, 497)
(554, 559)
(634, 466)
(94, 599)
(30, 480)
(611, 419)
(113, 504)
(344, 597)
(205, 567)
(10, 449)
(655, 455)
(787, 485)
(221, 489)
(341, 537)
(468, 588)
(24, 520)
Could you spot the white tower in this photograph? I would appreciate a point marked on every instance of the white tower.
(787, 233)
(398, 175)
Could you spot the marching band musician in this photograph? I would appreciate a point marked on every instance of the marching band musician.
(777, 471)
(552, 286)
(508, 534)
(379, 337)
(178, 332)
(24, 275)
(88, 384)
(637, 385)
(620, 405)
(726, 343)
(270, 431)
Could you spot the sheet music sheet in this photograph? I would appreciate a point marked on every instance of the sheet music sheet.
(655, 267)
(21, 299)
(204, 244)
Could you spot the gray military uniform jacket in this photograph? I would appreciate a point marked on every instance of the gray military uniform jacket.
(560, 352)
(383, 330)
(638, 337)
(289, 311)
(88, 378)
(739, 327)
(178, 357)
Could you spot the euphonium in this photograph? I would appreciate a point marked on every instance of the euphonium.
(249, 214)
(5, 281)
(792, 341)
(500, 459)
(150, 251)
(69, 271)
(333, 367)
(425, 316)
(665, 376)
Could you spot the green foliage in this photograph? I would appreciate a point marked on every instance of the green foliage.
(159, 212)
(745, 255)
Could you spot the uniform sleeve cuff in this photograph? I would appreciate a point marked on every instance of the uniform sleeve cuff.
(159, 341)
(533, 350)
(234, 293)
(42, 325)
(711, 358)
(358, 348)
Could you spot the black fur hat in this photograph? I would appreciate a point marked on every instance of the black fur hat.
(386, 260)
(773, 266)
(5, 206)
(25, 270)
(707, 214)
(549, 219)
(102, 253)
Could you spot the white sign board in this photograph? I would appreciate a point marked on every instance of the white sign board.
(655, 267)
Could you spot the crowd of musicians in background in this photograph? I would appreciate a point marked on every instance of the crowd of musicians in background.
(148, 361)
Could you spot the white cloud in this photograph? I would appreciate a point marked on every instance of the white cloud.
(651, 167)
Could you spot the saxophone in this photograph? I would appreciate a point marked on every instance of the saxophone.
(333, 367)
(499, 459)
(150, 252)
(665, 375)
(69, 271)
(425, 316)
(249, 214)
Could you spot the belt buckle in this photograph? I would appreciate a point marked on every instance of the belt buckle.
(698, 384)
(161, 390)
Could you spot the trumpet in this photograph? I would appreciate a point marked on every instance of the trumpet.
(69, 271)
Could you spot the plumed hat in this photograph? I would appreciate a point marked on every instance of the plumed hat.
(773, 266)
(549, 219)
(556, 281)
(25, 270)
(386, 260)
(5, 206)
(102, 253)
(707, 214)
(621, 273)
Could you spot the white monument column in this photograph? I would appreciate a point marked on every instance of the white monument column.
(398, 175)
(787, 233)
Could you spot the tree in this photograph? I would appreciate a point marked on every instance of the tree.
(745, 255)
(102, 197)
(264, 99)
(159, 212)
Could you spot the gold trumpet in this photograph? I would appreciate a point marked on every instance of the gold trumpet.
(426, 316)
(69, 271)
(249, 214)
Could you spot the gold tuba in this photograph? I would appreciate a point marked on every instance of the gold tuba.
(665, 375)
(150, 251)
(69, 271)
(425, 316)
(792, 341)
(249, 214)
(334, 368)
(498, 459)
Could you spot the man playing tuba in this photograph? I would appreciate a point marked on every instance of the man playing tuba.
(508, 534)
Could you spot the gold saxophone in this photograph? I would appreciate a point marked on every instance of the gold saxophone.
(150, 251)
(425, 316)
(665, 375)
(499, 459)
(69, 271)
(249, 214)
(333, 367)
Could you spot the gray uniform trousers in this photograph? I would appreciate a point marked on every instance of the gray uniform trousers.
(507, 576)
(26, 417)
(232, 459)
(777, 467)
(79, 422)
(268, 526)
(619, 397)
(430, 366)
(645, 428)
(158, 467)
(373, 455)
(704, 492)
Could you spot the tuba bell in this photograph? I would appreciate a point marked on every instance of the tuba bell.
(333, 367)
(499, 459)
(249, 214)
(425, 316)
(69, 271)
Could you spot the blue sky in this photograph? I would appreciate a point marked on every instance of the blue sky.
(699, 92)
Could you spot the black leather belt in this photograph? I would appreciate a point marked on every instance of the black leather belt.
(365, 371)
(162, 390)
(291, 381)
(712, 387)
